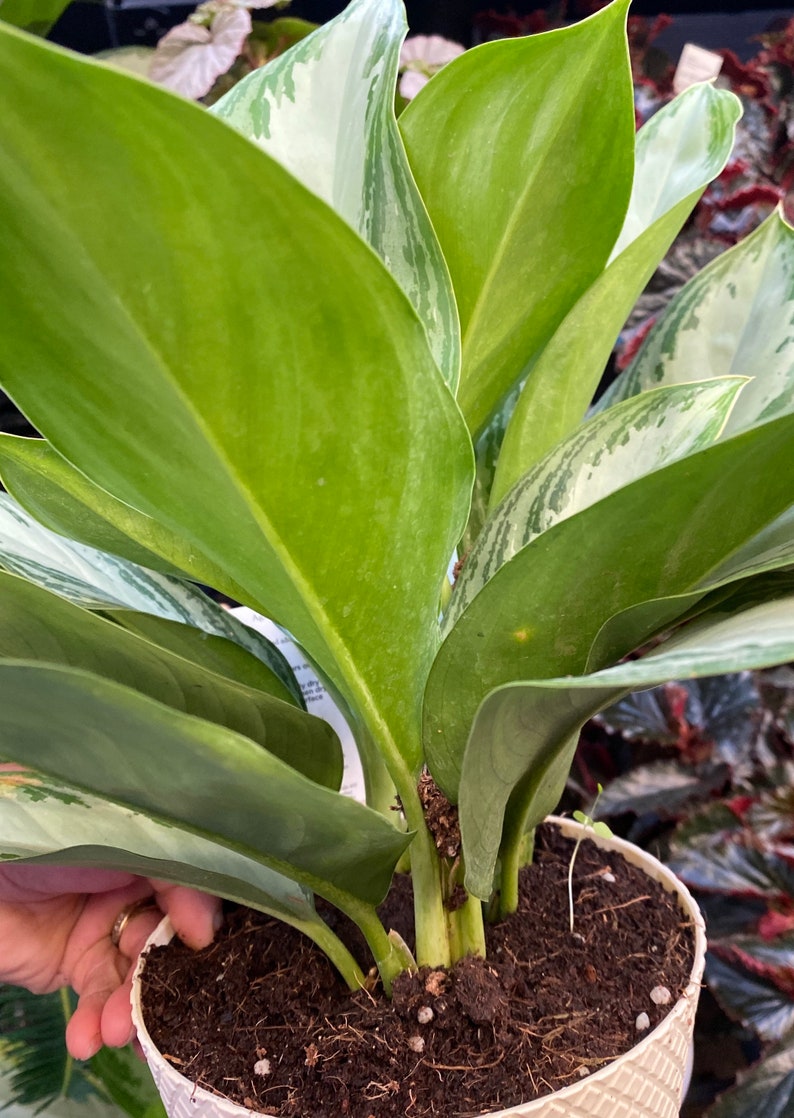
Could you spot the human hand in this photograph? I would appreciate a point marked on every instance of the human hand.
(56, 925)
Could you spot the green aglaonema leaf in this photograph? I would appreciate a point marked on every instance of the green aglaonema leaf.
(756, 569)
(540, 612)
(41, 627)
(678, 152)
(215, 653)
(766, 1090)
(734, 317)
(121, 746)
(96, 580)
(190, 303)
(515, 145)
(64, 500)
(772, 547)
(340, 81)
(49, 822)
(524, 733)
(45, 820)
(35, 16)
(760, 569)
(487, 450)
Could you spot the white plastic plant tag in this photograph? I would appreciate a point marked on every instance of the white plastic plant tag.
(696, 64)
(318, 701)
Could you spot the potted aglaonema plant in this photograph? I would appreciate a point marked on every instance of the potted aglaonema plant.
(276, 349)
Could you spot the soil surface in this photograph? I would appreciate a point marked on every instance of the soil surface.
(260, 1016)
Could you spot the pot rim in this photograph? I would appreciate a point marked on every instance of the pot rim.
(684, 1005)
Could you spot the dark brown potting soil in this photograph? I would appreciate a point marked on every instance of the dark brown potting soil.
(261, 1016)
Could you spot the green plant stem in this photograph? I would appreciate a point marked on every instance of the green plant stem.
(466, 929)
(508, 890)
(432, 939)
(381, 793)
(389, 956)
(432, 932)
(319, 932)
(514, 855)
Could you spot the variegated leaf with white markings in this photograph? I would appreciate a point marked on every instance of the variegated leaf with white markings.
(658, 538)
(678, 151)
(610, 451)
(734, 318)
(325, 111)
(95, 580)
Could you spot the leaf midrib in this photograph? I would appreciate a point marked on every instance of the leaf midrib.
(495, 267)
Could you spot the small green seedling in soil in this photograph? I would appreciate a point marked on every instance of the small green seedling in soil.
(598, 828)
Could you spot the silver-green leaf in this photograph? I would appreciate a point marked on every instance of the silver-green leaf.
(658, 537)
(44, 819)
(734, 318)
(513, 145)
(325, 111)
(610, 451)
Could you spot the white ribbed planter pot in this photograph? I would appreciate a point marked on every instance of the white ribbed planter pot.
(646, 1082)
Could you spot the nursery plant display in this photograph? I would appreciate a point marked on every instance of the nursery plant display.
(283, 375)
(713, 791)
(735, 854)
